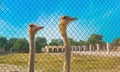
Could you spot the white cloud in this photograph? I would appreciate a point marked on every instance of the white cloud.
(50, 30)
(110, 12)
(80, 29)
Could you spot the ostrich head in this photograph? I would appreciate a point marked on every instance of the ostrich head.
(64, 21)
(33, 29)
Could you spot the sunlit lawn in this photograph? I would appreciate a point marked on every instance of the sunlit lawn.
(54, 62)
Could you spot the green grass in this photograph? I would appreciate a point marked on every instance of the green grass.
(54, 62)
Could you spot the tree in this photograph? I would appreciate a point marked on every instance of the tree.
(56, 42)
(116, 43)
(81, 42)
(21, 45)
(73, 42)
(59, 42)
(40, 42)
(94, 39)
(10, 43)
(3, 41)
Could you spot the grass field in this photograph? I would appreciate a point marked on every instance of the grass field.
(54, 62)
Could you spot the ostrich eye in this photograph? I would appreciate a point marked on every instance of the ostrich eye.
(64, 17)
(31, 25)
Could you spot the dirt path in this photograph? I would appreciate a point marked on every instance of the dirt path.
(11, 68)
(14, 68)
(110, 54)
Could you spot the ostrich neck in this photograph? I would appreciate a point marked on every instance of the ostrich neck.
(65, 39)
(32, 43)
(62, 29)
(31, 54)
(64, 35)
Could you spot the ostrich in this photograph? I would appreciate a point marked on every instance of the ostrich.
(63, 23)
(32, 30)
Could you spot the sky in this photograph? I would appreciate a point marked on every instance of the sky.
(94, 16)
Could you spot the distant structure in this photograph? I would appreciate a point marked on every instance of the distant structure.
(116, 47)
(2, 49)
(84, 48)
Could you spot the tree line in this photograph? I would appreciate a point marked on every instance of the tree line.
(22, 44)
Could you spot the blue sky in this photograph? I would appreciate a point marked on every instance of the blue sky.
(94, 16)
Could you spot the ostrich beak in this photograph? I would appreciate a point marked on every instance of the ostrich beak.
(73, 19)
(40, 27)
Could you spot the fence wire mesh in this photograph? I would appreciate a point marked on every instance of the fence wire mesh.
(94, 37)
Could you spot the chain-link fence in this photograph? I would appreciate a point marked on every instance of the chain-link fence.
(94, 37)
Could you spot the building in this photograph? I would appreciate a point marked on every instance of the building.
(53, 49)
(83, 48)
(2, 49)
